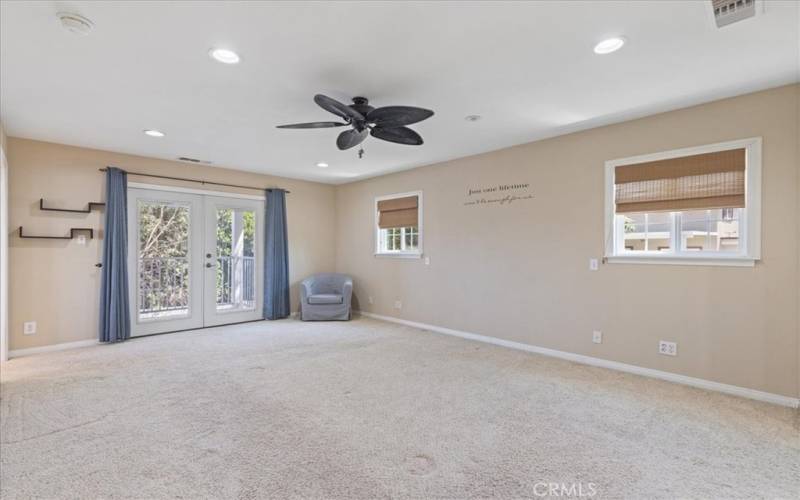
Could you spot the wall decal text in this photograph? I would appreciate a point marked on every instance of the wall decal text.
(500, 194)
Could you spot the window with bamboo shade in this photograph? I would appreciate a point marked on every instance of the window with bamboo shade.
(399, 224)
(398, 212)
(697, 204)
(704, 181)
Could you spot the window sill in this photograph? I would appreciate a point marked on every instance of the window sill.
(399, 255)
(737, 261)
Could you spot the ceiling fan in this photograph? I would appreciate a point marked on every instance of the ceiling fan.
(387, 123)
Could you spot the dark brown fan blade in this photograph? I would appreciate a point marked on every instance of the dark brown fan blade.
(313, 125)
(400, 135)
(350, 138)
(337, 108)
(397, 116)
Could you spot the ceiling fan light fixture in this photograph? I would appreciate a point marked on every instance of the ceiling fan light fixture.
(610, 45)
(225, 56)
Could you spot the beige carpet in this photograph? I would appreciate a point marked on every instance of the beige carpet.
(368, 409)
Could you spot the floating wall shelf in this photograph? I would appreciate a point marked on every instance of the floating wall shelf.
(72, 232)
(92, 205)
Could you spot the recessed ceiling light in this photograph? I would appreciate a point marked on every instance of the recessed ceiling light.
(224, 56)
(322, 164)
(473, 118)
(610, 45)
(154, 133)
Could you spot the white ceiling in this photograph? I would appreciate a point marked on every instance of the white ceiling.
(527, 68)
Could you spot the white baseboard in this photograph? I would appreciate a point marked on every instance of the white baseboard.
(734, 390)
(51, 348)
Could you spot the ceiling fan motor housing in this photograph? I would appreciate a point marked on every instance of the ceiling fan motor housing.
(361, 104)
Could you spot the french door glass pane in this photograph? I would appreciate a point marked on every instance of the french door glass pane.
(163, 260)
(236, 270)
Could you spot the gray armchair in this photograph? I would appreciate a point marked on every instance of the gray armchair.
(326, 297)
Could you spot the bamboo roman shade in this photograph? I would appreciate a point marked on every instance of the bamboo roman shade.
(398, 212)
(704, 181)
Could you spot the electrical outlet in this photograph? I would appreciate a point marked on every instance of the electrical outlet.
(597, 337)
(398, 304)
(29, 328)
(593, 265)
(667, 348)
(370, 300)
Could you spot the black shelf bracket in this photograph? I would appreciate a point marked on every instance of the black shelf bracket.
(72, 232)
(92, 205)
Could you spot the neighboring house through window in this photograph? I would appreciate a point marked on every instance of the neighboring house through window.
(692, 206)
(398, 225)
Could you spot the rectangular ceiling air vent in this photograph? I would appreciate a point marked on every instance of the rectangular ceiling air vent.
(730, 11)
(192, 160)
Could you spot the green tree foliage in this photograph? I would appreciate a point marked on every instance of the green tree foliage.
(163, 252)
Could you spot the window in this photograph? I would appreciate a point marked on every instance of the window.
(398, 225)
(693, 206)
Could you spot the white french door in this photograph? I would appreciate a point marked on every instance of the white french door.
(233, 260)
(193, 260)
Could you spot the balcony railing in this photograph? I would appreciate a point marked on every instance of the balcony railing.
(163, 286)
(236, 282)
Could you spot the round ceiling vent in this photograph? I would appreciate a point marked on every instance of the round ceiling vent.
(75, 23)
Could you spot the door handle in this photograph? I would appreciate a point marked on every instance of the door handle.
(208, 264)
(208, 256)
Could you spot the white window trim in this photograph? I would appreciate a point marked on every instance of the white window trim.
(415, 254)
(751, 237)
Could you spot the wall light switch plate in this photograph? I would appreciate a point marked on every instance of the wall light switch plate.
(29, 328)
(667, 348)
(593, 265)
(597, 337)
(370, 300)
(398, 304)
(82, 239)
(427, 261)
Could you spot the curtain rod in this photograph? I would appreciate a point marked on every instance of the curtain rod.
(196, 180)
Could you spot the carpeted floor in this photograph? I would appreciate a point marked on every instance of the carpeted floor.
(368, 409)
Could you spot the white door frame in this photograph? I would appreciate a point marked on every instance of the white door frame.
(203, 311)
(194, 318)
(212, 314)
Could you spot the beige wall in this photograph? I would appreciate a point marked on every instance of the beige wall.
(520, 272)
(55, 282)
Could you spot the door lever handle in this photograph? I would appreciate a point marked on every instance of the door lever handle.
(208, 264)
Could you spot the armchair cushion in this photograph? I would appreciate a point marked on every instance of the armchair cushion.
(325, 298)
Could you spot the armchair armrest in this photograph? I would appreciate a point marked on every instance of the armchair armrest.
(347, 291)
(305, 291)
